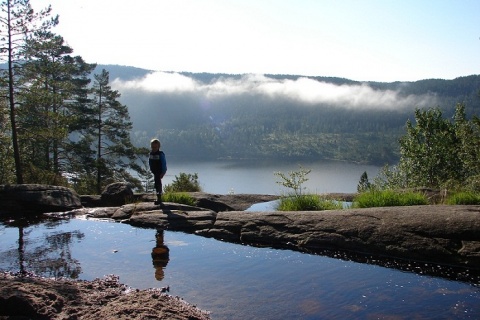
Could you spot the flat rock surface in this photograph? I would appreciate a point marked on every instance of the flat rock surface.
(444, 234)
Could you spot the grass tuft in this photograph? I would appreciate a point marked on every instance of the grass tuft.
(465, 198)
(388, 198)
(307, 202)
(178, 197)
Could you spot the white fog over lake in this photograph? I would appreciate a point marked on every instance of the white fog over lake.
(257, 176)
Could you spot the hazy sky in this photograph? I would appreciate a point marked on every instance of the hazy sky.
(365, 40)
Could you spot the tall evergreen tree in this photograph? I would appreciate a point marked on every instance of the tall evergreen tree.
(18, 22)
(50, 112)
(110, 130)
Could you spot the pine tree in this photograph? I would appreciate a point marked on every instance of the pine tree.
(363, 184)
(57, 84)
(110, 132)
(18, 23)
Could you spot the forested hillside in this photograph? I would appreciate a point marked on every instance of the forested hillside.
(281, 116)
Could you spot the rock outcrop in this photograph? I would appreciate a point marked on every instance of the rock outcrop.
(443, 234)
(117, 194)
(37, 199)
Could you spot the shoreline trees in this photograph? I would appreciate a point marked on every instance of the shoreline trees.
(52, 109)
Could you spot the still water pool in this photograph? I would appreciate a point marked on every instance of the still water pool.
(230, 280)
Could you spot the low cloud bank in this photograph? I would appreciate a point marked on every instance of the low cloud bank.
(305, 90)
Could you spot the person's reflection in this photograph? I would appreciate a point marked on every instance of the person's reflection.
(160, 255)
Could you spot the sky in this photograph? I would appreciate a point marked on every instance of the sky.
(362, 40)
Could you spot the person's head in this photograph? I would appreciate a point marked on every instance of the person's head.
(155, 144)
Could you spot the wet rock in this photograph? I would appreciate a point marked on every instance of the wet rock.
(36, 199)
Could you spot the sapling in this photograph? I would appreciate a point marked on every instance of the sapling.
(294, 180)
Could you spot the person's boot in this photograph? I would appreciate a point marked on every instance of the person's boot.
(159, 200)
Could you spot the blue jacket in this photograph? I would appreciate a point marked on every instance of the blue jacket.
(157, 163)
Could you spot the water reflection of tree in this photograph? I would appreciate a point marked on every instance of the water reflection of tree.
(48, 255)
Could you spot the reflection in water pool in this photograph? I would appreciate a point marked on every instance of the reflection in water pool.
(233, 281)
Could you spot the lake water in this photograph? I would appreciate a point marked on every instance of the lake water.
(231, 280)
(257, 176)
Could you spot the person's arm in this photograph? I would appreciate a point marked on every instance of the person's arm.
(163, 163)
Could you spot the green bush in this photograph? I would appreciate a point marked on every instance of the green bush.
(388, 198)
(466, 197)
(307, 202)
(185, 182)
(178, 197)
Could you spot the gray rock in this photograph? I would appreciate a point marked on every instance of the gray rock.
(129, 210)
(229, 202)
(117, 194)
(444, 234)
(36, 199)
(177, 220)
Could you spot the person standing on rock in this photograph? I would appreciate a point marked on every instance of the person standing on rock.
(158, 166)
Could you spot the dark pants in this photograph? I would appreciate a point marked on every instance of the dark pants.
(158, 183)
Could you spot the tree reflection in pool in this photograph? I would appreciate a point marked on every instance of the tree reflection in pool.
(231, 280)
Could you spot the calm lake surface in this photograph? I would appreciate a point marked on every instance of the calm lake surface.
(231, 280)
(257, 176)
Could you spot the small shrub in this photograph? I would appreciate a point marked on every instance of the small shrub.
(466, 197)
(185, 182)
(388, 198)
(307, 202)
(178, 197)
(294, 180)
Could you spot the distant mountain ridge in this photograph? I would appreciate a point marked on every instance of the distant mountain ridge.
(461, 85)
(237, 116)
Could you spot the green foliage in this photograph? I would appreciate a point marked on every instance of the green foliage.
(472, 183)
(436, 153)
(179, 197)
(389, 177)
(465, 198)
(307, 202)
(185, 182)
(429, 154)
(388, 198)
(294, 180)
